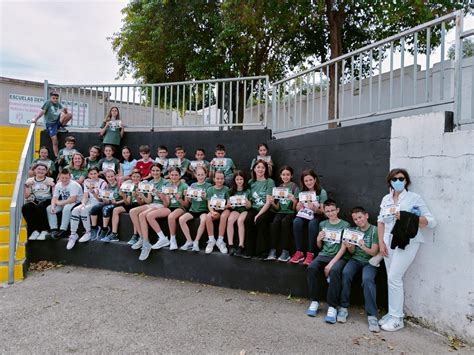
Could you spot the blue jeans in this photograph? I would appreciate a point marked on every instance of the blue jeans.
(298, 226)
(368, 284)
(316, 278)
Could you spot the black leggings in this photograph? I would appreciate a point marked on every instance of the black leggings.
(35, 216)
(256, 233)
(281, 231)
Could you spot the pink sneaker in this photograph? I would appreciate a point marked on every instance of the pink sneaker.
(297, 257)
(309, 258)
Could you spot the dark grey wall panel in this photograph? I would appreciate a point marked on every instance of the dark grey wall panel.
(352, 162)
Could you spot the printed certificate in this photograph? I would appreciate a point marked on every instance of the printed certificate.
(280, 192)
(390, 210)
(145, 187)
(127, 186)
(174, 163)
(352, 236)
(237, 201)
(169, 189)
(332, 235)
(195, 193)
(308, 196)
(217, 203)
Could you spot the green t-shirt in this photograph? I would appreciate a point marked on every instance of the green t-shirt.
(223, 192)
(184, 166)
(113, 164)
(52, 112)
(67, 155)
(174, 203)
(199, 204)
(90, 163)
(331, 249)
(115, 192)
(112, 135)
(158, 185)
(259, 191)
(370, 237)
(227, 168)
(48, 162)
(245, 193)
(285, 204)
(76, 174)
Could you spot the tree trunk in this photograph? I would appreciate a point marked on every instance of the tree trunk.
(336, 17)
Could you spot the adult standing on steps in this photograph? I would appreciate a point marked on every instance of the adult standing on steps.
(55, 118)
(400, 245)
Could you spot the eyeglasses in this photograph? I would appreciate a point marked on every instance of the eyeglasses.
(399, 179)
(330, 211)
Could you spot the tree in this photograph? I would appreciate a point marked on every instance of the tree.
(171, 40)
(467, 49)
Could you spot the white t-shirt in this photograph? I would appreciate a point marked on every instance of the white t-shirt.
(99, 185)
(62, 192)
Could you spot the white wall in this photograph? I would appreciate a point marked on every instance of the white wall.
(439, 285)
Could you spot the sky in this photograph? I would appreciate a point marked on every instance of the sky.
(65, 42)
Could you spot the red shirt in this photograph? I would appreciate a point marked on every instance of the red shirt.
(144, 167)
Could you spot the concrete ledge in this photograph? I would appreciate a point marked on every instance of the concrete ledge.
(214, 269)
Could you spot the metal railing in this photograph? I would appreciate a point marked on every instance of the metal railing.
(217, 103)
(16, 205)
(355, 85)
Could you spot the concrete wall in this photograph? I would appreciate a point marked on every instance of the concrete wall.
(439, 285)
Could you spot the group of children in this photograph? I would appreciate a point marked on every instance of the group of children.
(177, 190)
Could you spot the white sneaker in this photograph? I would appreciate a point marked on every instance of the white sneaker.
(210, 246)
(162, 242)
(34, 235)
(72, 241)
(222, 247)
(196, 247)
(384, 319)
(393, 324)
(375, 260)
(146, 249)
(173, 244)
(186, 246)
(42, 235)
(138, 244)
(85, 238)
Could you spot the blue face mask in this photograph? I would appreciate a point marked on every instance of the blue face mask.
(398, 185)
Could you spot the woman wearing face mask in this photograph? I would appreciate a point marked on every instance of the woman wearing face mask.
(398, 260)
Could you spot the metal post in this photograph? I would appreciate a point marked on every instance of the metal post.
(458, 69)
(273, 109)
(152, 108)
(45, 89)
(267, 86)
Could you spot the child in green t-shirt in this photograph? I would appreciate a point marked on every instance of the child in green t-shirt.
(240, 195)
(222, 163)
(263, 155)
(281, 226)
(217, 197)
(198, 209)
(108, 162)
(44, 159)
(329, 263)
(77, 168)
(65, 154)
(180, 153)
(367, 247)
(200, 160)
(112, 129)
(94, 156)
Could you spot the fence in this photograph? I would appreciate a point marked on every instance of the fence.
(218, 103)
(350, 87)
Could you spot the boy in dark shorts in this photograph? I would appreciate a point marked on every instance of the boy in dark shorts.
(55, 118)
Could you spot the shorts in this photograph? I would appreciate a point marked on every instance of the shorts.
(129, 207)
(52, 128)
(155, 205)
(176, 208)
(196, 214)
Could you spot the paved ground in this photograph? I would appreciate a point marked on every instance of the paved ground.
(72, 309)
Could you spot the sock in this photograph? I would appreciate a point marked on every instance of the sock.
(196, 242)
(220, 239)
(94, 228)
(161, 235)
(211, 238)
(173, 238)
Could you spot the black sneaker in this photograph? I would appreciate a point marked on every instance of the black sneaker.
(62, 129)
(94, 233)
(53, 234)
(232, 250)
(113, 237)
(62, 234)
(103, 233)
(239, 252)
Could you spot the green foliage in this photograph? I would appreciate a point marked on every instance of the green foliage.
(467, 49)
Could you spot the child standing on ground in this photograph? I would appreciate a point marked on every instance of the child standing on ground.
(112, 129)
(240, 188)
(368, 247)
(280, 227)
(222, 163)
(310, 183)
(92, 187)
(328, 264)
(55, 118)
(197, 210)
(262, 149)
(217, 192)
(127, 163)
